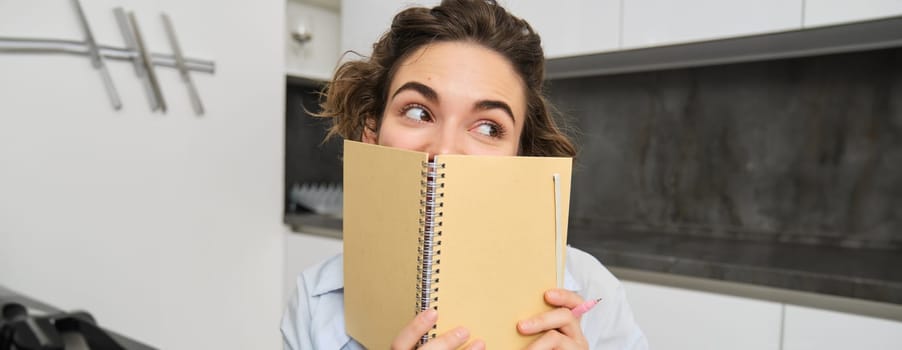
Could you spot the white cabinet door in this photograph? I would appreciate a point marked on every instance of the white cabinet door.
(825, 12)
(567, 27)
(572, 27)
(317, 58)
(661, 22)
(679, 319)
(806, 328)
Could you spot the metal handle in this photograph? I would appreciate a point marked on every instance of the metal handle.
(39, 45)
(135, 51)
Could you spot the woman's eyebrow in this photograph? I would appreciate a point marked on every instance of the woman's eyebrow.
(491, 104)
(424, 90)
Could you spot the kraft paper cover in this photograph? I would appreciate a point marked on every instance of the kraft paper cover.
(380, 229)
(498, 243)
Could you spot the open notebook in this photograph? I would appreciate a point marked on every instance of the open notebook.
(479, 238)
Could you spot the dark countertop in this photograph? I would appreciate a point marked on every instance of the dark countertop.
(869, 274)
(320, 225)
(865, 274)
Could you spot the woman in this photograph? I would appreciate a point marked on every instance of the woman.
(465, 77)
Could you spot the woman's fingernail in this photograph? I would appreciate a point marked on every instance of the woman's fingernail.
(461, 333)
(431, 314)
(526, 325)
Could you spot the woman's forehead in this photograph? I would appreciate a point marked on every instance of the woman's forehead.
(462, 70)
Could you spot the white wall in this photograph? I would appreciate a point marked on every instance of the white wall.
(166, 228)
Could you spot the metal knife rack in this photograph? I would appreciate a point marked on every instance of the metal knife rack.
(135, 51)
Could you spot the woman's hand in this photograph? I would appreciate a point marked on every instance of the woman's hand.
(561, 329)
(422, 323)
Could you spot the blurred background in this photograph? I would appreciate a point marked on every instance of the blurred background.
(740, 165)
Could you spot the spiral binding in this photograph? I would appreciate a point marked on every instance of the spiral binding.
(429, 251)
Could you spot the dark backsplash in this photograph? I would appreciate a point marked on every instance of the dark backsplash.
(800, 150)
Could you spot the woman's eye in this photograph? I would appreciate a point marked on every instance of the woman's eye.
(417, 113)
(489, 129)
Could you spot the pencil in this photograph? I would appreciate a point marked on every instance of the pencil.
(584, 307)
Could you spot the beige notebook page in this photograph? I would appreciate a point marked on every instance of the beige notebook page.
(498, 243)
(381, 214)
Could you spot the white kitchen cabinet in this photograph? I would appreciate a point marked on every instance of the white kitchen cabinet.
(661, 22)
(317, 58)
(807, 328)
(567, 27)
(364, 21)
(827, 12)
(572, 27)
(583, 27)
(680, 319)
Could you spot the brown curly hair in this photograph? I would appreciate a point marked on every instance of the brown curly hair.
(357, 95)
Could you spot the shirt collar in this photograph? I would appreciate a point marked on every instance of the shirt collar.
(329, 278)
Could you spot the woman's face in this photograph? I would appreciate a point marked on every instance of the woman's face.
(453, 98)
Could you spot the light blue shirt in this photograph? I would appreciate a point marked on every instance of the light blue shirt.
(314, 317)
